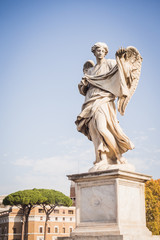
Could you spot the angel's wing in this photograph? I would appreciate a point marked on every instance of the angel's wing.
(83, 85)
(87, 65)
(129, 61)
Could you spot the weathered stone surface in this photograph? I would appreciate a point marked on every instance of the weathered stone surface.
(119, 237)
(110, 205)
(102, 166)
(109, 237)
(94, 200)
(101, 84)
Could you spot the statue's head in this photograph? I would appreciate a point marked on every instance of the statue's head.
(99, 45)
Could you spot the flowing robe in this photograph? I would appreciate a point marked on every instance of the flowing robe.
(101, 85)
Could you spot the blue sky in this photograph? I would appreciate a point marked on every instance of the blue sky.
(43, 46)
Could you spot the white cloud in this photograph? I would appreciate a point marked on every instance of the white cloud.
(139, 163)
(57, 182)
(77, 157)
(140, 138)
(24, 162)
(50, 172)
(151, 129)
(157, 150)
(45, 173)
(5, 154)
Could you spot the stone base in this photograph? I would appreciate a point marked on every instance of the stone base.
(102, 166)
(113, 237)
(110, 205)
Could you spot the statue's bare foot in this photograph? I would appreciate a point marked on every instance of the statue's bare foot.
(102, 165)
(96, 161)
(121, 160)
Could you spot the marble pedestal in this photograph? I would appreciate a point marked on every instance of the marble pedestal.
(110, 205)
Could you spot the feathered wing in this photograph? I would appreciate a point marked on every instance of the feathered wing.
(129, 62)
(87, 65)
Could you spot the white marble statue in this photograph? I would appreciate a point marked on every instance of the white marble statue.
(101, 85)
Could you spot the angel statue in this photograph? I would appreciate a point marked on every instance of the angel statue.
(101, 85)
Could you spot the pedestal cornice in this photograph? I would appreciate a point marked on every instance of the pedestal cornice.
(109, 174)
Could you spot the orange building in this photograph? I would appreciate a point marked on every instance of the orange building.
(60, 224)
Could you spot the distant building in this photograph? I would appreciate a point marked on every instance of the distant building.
(73, 193)
(60, 224)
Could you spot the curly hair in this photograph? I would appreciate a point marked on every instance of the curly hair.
(99, 44)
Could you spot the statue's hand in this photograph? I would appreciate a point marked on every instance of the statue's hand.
(83, 86)
(84, 80)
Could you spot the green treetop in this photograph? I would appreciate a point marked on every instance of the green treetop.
(52, 200)
(25, 200)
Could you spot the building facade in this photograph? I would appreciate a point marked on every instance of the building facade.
(61, 223)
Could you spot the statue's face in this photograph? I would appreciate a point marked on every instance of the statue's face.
(100, 52)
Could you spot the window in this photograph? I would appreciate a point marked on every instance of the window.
(56, 218)
(70, 211)
(56, 229)
(63, 218)
(63, 211)
(63, 230)
(56, 211)
(40, 210)
(14, 230)
(41, 229)
(5, 229)
(70, 229)
(49, 229)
